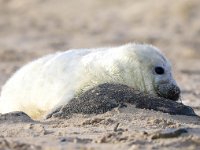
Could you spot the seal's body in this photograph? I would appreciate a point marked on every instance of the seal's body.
(52, 81)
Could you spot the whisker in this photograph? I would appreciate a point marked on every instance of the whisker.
(180, 98)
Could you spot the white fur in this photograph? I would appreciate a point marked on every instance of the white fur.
(51, 81)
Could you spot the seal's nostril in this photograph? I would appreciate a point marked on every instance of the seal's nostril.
(175, 93)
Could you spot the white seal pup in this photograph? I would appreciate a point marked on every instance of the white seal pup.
(53, 80)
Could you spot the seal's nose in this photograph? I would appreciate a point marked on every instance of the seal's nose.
(174, 93)
(171, 92)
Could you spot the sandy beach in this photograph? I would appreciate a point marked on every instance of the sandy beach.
(31, 29)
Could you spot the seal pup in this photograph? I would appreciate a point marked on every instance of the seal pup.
(52, 81)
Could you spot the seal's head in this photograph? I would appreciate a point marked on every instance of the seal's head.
(156, 73)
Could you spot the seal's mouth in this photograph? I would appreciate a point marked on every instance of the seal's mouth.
(171, 92)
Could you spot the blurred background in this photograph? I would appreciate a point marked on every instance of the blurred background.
(30, 29)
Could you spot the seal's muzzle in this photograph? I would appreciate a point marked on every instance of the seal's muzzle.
(169, 91)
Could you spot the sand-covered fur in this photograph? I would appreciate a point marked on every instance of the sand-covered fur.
(105, 97)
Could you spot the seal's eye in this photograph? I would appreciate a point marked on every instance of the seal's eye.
(159, 70)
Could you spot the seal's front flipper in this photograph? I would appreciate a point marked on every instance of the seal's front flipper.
(163, 105)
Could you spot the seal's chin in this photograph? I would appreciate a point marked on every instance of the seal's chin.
(169, 91)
